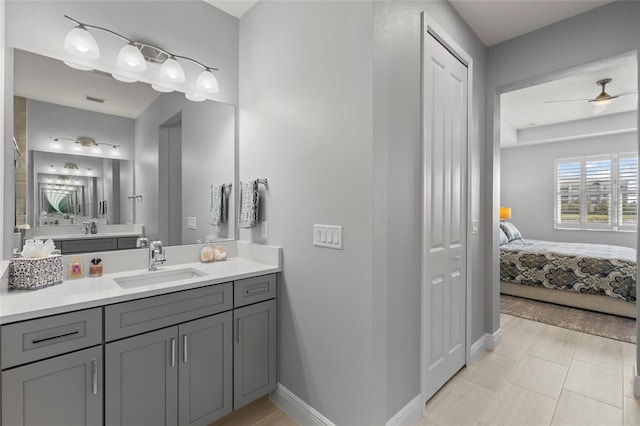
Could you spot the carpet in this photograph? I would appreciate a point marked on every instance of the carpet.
(605, 325)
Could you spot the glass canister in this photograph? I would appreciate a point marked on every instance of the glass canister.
(75, 268)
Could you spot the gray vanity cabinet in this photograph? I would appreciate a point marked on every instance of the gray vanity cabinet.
(141, 383)
(205, 372)
(177, 375)
(254, 356)
(64, 390)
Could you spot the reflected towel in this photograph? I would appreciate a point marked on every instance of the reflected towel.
(216, 216)
(248, 217)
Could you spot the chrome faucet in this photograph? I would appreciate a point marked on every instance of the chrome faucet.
(86, 227)
(156, 255)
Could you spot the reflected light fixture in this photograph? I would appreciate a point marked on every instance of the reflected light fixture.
(505, 213)
(83, 142)
(133, 56)
(161, 88)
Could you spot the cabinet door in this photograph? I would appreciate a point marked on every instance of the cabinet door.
(254, 356)
(65, 391)
(205, 375)
(142, 379)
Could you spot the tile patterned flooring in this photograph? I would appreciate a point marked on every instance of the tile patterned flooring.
(542, 375)
(539, 375)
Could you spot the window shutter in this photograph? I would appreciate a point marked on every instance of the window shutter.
(598, 191)
(627, 191)
(569, 194)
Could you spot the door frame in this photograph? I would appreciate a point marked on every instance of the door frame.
(431, 28)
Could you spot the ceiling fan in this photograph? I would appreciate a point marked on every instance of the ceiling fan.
(602, 100)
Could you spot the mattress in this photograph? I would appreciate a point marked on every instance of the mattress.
(585, 268)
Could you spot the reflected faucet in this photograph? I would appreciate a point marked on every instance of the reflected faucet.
(86, 227)
(156, 255)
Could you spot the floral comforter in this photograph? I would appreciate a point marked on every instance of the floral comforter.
(585, 268)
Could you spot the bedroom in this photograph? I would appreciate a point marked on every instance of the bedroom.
(566, 164)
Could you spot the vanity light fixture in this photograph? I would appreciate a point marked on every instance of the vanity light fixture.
(83, 142)
(134, 57)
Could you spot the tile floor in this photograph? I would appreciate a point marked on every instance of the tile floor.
(542, 375)
(539, 375)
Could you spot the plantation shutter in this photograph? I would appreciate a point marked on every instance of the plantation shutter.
(627, 191)
(598, 192)
(569, 197)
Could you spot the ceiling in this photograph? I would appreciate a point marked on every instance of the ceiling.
(495, 21)
(235, 8)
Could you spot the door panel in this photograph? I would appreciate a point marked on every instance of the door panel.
(444, 147)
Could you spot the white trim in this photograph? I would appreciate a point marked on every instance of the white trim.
(431, 27)
(636, 381)
(297, 408)
(410, 414)
(487, 342)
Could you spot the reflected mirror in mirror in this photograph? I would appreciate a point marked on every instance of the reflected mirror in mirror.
(91, 147)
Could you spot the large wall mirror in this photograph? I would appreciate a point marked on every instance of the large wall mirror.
(90, 146)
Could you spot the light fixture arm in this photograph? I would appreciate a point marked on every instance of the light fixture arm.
(128, 40)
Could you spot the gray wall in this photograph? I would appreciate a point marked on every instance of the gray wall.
(527, 186)
(550, 50)
(330, 114)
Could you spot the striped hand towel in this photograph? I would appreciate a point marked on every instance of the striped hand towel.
(216, 216)
(248, 217)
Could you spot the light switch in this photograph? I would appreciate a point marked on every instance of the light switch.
(191, 222)
(474, 226)
(329, 236)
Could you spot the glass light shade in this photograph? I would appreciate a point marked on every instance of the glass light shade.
(79, 41)
(114, 151)
(55, 144)
(96, 149)
(161, 89)
(195, 98)
(505, 213)
(207, 82)
(78, 66)
(171, 70)
(123, 78)
(131, 58)
(76, 147)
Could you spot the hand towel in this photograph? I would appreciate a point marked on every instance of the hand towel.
(248, 217)
(215, 212)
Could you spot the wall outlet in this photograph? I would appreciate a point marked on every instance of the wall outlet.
(191, 222)
(329, 236)
(265, 229)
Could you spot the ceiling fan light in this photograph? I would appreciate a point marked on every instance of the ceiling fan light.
(207, 82)
(171, 70)
(131, 58)
(601, 102)
(79, 41)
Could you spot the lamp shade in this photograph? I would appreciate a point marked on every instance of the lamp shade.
(207, 82)
(131, 58)
(505, 213)
(79, 41)
(171, 70)
(194, 97)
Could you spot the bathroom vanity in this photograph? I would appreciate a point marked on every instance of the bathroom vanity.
(188, 349)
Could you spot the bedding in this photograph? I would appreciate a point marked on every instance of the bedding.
(585, 268)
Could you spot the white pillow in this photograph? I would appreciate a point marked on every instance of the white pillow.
(503, 237)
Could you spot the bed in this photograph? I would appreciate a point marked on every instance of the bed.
(590, 276)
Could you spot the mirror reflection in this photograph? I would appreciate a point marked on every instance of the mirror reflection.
(89, 147)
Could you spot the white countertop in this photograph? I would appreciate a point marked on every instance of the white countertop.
(19, 305)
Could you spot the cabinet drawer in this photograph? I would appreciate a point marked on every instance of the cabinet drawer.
(138, 316)
(127, 242)
(89, 244)
(36, 339)
(252, 290)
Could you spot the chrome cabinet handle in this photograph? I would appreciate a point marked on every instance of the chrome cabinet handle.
(94, 371)
(58, 336)
(238, 330)
(173, 352)
(185, 343)
(257, 290)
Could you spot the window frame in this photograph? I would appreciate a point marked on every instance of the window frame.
(615, 194)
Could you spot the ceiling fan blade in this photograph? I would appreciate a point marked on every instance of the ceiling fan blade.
(628, 92)
(571, 100)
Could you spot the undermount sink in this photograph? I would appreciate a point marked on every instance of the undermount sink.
(158, 277)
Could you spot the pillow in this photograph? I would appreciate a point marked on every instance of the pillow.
(503, 237)
(511, 231)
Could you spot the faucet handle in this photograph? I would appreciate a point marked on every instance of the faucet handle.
(142, 242)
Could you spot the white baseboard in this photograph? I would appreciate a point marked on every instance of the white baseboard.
(297, 408)
(409, 415)
(636, 382)
(487, 342)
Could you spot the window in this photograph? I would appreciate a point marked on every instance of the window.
(597, 193)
